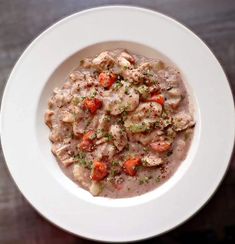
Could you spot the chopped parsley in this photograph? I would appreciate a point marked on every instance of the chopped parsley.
(109, 137)
(80, 159)
(113, 172)
(115, 163)
(82, 62)
(136, 128)
(75, 101)
(94, 94)
(155, 82)
(126, 91)
(145, 180)
(169, 153)
(107, 118)
(143, 91)
(118, 85)
(144, 162)
(158, 179)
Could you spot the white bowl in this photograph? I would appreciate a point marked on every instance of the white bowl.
(26, 147)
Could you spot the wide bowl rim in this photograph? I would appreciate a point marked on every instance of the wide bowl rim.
(70, 18)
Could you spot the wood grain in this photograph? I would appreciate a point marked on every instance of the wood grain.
(21, 21)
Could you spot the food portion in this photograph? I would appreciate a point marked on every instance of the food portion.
(121, 124)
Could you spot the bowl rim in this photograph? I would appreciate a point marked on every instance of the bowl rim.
(4, 98)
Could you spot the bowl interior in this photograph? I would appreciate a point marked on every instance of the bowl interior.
(56, 80)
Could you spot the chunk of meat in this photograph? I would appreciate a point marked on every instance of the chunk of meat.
(173, 102)
(61, 98)
(169, 78)
(93, 121)
(99, 171)
(145, 139)
(143, 73)
(182, 121)
(174, 92)
(79, 127)
(103, 60)
(151, 160)
(95, 188)
(119, 136)
(105, 150)
(67, 117)
(125, 60)
(103, 125)
(129, 166)
(80, 175)
(141, 119)
(48, 117)
(101, 140)
(76, 76)
(86, 63)
(174, 97)
(125, 98)
(60, 131)
(61, 152)
(84, 86)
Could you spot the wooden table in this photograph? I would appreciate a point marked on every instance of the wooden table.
(21, 21)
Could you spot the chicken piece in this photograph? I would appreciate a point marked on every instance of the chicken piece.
(79, 127)
(56, 135)
(145, 139)
(104, 150)
(119, 136)
(48, 118)
(125, 60)
(57, 149)
(103, 60)
(144, 73)
(154, 65)
(67, 117)
(68, 161)
(174, 92)
(151, 160)
(101, 140)
(103, 125)
(134, 75)
(86, 63)
(95, 188)
(174, 97)
(81, 175)
(93, 122)
(168, 78)
(61, 97)
(62, 153)
(182, 121)
(141, 119)
(76, 76)
(125, 98)
(172, 103)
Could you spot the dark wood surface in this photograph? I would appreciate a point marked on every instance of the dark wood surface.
(22, 20)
